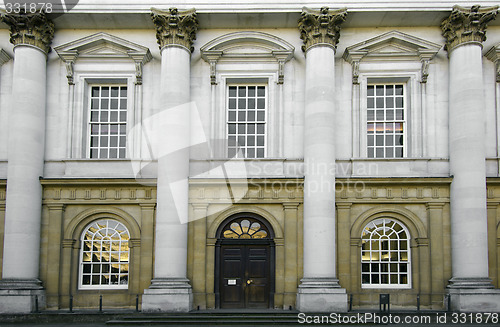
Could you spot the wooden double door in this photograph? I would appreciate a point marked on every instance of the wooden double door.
(245, 276)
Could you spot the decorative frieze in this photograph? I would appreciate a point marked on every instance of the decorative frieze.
(30, 29)
(467, 25)
(321, 27)
(174, 27)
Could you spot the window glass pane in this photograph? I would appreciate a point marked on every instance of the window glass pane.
(370, 103)
(105, 91)
(232, 116)
(251, 103)
(232, 104)
(242, 104)
(123, 91)
(260, 153)
(399, 89)
(370, 90)
(380, 90)
(95, 91)
(242, 91)
(114, 91)
(251, 91)
(232, 128)
(261, 91)
(232, 91)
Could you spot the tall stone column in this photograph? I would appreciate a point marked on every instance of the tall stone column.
(319, 290)
(470, 287)
(31, 35)
(170, 289)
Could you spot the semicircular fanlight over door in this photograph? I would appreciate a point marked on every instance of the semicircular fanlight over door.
(245, 228)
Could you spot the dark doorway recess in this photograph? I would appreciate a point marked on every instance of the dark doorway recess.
(245, 263)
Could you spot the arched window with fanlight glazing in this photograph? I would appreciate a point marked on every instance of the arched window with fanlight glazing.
(104, 256)
(385, 255)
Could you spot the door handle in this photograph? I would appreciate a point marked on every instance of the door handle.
(250, 281)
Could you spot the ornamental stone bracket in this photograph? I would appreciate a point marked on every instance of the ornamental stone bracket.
(174, 27)
(103, 46)
(467, 25)
(393, 46)
(30, 29)
(4, 57)
(494, 55)
(321, 27)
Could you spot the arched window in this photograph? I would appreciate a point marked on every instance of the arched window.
(104, 259)
(385, 255)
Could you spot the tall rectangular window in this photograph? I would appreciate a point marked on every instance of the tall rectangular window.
(108, 121)
(386, 120)
(246, 121)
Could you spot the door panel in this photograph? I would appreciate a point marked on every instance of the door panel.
(245, 276)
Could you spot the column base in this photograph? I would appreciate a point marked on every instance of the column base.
(474, 300)
(168, 295)
(21, 296)
(321, 295)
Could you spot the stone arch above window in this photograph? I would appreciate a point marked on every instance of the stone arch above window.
(245, 226)
(245, 47)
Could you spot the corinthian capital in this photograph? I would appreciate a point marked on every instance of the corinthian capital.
(30, 29)
(467, 25)
(321, 27)
(175, 27)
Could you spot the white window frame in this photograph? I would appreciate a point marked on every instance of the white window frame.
(81, 132)
(273, 110)
(385, 121)
(414, 118)
(236, 122)
(408, 285)
(119, 122)
(81, 274)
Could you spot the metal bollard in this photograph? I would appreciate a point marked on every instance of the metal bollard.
(71, 303)
(100, 303)
(350, 302)
(137, 303)
(384, 300)
(418, 302)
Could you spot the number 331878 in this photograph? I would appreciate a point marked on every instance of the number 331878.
(32, 7)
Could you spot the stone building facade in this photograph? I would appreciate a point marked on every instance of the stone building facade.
(264, 155)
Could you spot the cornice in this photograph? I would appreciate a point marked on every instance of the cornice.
(174, 27)
(103, 46)
(389, 46)
(467, 25)
(30, 29)
(257, 45)
(321, 27)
